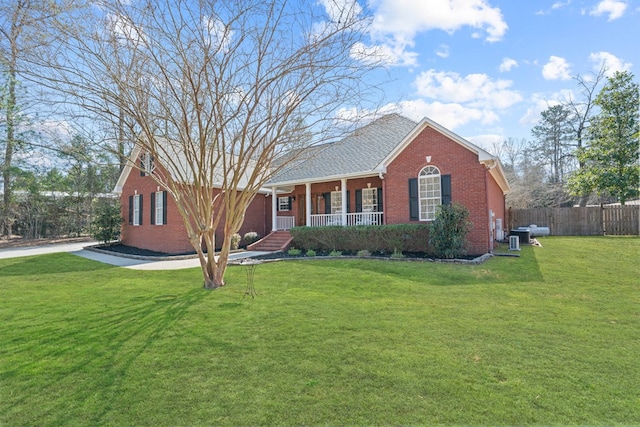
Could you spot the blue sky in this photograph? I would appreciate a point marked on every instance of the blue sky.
(487, 68)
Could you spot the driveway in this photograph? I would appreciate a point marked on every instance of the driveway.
(120, 261)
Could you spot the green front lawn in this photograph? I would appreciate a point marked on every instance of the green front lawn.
(551, 337)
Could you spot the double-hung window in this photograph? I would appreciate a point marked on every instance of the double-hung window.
(336, 202)
(135, 209)
(430, 192)
(159, 208)
(284, 203)
(369, 200)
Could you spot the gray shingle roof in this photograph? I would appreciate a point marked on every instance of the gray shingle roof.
(359, 152)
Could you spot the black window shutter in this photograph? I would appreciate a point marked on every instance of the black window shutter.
(358, 200)
(289, 203)
(140, 215)
(445, 183)
(153, 208)
(380, 200)
(130, 210)
(327, 202)
(414, 214)
(348, 200)
(164, 207)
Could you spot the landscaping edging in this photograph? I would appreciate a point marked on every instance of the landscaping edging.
(475, 261)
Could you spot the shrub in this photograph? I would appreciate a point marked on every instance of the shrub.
(448, 231)
(107, 222)
(364, 253)
(235, 241)
(251, 237)
(311, 252)
(294, 252)
(335, 253)
(374, 238)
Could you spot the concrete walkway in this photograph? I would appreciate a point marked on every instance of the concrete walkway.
(119, 261)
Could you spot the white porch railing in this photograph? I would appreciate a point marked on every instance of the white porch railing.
(285, 222)
(360, 218)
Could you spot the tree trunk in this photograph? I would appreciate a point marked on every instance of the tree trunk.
(8, 153)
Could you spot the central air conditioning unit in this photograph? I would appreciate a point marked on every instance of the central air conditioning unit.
(514, 243)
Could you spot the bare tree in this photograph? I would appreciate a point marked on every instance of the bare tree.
(20, 37)
(215, 91)
(582, 112)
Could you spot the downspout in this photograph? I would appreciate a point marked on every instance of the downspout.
(486, 208)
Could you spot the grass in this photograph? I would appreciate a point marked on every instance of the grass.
(547, 338)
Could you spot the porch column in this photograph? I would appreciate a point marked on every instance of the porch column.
(274, 209)
(307, 200)
(343, 184)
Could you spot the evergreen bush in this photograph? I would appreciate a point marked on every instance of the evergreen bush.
(448, 231)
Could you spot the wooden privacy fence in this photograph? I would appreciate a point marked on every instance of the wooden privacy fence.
(587, 221)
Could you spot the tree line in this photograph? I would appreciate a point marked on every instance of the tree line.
(582, 151)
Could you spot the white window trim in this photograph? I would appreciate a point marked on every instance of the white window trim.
(136, 209)
(336, 202)
(373, 195)
(429, 197)
(283, 203)
(159, 207)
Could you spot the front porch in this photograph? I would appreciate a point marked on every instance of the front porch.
(345, 202)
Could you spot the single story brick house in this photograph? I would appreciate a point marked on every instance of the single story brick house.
(390, 171)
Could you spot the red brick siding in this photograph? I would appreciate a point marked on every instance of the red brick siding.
(468, 182)
(172, 237)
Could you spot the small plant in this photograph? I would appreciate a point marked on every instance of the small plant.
(364, 253)
(397, 254)
(311, 252)
(235, 241)
(251, 237)
(294, 252)
(335, 253)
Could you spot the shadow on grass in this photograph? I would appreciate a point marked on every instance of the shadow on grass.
(48, 264)
(111, 339)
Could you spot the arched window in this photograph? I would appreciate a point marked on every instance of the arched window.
(430, 193)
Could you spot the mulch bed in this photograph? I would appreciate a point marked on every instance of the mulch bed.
(130, 250)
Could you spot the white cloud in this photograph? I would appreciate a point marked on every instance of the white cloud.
(383, 54)
(556, 69)
(540, 102)
(507, 64)
(610, 61)
(219, 34)
(449, 115)
(556, 5)
(343, 11)
(397, 22)
(614, 8)
(125, 31)
(443, 51)
(476, 90)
